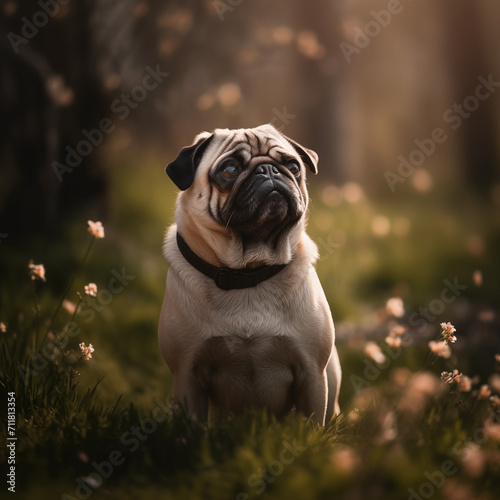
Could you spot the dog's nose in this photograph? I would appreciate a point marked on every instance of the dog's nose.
(267, 170)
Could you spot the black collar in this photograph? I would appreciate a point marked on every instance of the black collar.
(224, 277)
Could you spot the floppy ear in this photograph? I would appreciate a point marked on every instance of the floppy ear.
(182, 170)
(308, 156)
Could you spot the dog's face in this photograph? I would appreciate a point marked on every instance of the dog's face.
(246, 184)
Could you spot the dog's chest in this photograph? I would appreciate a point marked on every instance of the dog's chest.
(239, 372)
(251, 315)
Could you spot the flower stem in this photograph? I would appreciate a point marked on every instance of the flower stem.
(37, 313)
(68, 288)
(78, 304)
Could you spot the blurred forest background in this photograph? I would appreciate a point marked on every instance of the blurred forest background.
(97, 96)
(234, 64)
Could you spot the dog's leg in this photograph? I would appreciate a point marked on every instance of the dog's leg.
(189, 393)
(334, 376)
(311, 395)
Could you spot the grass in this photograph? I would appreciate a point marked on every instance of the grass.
(106, 428)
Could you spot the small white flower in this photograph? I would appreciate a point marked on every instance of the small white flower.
(394, 338)
(86, 350)
(465, 384)
(447, 331)
(91, 289)
(442, 349)
(448, 328)
(96, 229)
(393, 341)
(451, 377)
(69, 306)
(484, 392)
(398, 331)
(37, 271)
(373, 351)
(495, 402)
(395, 307)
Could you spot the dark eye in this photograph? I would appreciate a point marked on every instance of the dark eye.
(230, 172)
(294, 168)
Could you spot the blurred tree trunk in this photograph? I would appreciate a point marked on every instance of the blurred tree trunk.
(49, 95)
(464, 51)
(317, 79)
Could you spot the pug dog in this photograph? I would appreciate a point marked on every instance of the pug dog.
(245, 322)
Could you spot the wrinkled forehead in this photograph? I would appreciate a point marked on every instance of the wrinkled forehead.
(264, 141)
